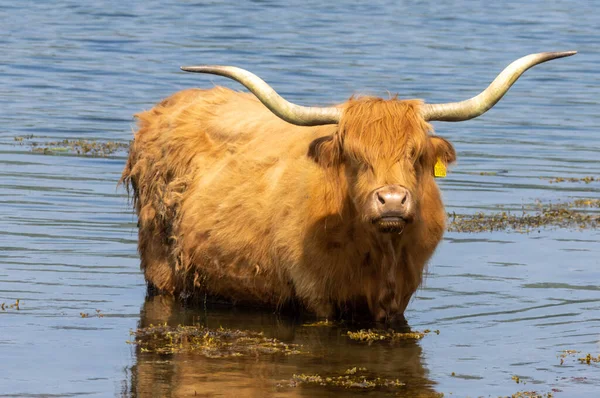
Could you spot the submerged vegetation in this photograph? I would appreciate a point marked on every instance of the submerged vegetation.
(357, 378)
(587, 359)
(211, 343)
(325, 323)
(371, 335)
(221, 342)
(587, 179)
(561, 215)
(98, 314)
(73, 147)
(532, 394)
(15, 306)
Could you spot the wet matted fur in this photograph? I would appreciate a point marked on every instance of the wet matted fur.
(235, 203)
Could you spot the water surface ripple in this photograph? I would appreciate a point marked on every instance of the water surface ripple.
(506, 304)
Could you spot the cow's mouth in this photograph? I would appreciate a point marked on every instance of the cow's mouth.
(390, 224)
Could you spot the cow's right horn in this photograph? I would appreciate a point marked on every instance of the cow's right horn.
(478, 105)
(291, 113)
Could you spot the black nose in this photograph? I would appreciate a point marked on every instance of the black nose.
(393, 201)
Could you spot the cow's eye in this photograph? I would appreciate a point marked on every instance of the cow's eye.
(364, 167)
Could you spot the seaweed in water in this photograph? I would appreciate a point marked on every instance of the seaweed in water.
(211, 343)
(371, 335)
(74, 147)
(561, 215)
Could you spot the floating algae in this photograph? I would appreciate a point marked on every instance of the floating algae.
(352, 378)
(587, 359)
(359, 379)
(4, 306)
(561, 215)
(531, 394)
(556, 180)
(325, 323)
(74, 147)
(98, 314)
(211, 343)
(371, 335)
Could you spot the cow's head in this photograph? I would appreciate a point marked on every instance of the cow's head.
(386, 147)
(388, 153)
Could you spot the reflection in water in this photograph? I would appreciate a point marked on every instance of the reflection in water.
(328, 353)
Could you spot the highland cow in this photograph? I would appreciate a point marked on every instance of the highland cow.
(255, 200)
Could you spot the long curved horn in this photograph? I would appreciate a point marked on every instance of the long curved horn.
(292, 113)
(478, 105)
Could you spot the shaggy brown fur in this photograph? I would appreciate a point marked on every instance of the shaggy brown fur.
(235, 203)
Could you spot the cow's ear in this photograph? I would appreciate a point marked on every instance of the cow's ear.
(325, 151)
(442, 149)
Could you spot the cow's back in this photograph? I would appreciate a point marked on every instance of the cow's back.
(201, 162)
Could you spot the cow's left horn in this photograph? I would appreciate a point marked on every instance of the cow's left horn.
(478, 105)
(292, 113)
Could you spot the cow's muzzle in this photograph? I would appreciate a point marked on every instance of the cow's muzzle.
(393, 208)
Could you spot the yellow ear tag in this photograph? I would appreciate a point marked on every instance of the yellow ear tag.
(439, 170)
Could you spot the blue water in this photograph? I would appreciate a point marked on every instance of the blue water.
(506, 304)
